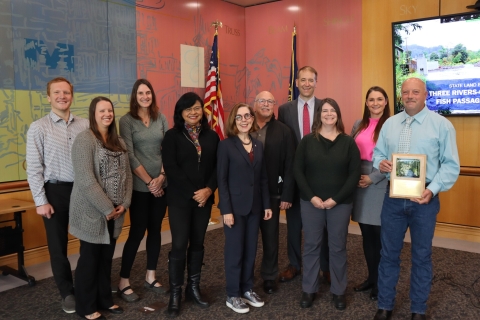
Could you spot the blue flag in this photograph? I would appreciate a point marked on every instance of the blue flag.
(292, 88)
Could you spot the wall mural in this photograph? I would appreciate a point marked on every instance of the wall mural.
(102, 47)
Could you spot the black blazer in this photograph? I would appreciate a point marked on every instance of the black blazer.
(288, 114)
(242, 185)
(185, 174)
(279, 154)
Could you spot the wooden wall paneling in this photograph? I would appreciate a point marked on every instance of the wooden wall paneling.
(460, 204)
(377, 17)
(468, 139)
(455, 6)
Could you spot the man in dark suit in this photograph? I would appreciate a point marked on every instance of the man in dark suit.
(298, 115)
(278, 154)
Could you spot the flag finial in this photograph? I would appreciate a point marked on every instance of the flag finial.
(217, 24)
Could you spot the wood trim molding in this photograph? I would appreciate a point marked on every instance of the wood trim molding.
(469, 171)
(6, 187)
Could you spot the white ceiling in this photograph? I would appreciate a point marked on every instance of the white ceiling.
(249, 3)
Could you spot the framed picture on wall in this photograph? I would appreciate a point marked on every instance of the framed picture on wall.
(407, 179)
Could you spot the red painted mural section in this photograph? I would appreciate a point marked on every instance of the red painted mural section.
(160, 32)
(329, 38)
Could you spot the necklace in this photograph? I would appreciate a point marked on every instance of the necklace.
(246, 144)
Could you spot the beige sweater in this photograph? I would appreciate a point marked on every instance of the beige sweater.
(89, 205)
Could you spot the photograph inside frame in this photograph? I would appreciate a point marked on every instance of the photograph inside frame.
(407, 179)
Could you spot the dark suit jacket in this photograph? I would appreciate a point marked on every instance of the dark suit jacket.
(279, 154)
(185, 174)
(288, 114)
(242, 185)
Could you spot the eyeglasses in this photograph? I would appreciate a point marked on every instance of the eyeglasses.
(193, 109)
(246, 116)
(262, 101)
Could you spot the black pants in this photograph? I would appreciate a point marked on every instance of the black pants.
(372, 245)
(269, 228)
(57, 236)
(294, 235)
(93, 276)
(188, 225)
(146, 214)
(240, 251)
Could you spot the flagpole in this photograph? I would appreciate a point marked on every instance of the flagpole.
(216, 24)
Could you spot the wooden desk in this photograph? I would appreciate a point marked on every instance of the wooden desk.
(17, 207)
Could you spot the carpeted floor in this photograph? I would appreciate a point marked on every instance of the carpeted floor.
(454, 292)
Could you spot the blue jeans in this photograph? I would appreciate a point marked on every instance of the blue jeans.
(397, 215)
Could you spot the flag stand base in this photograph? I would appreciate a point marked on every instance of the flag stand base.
(212, 222)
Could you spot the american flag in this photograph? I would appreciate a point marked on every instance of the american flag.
(213, 93)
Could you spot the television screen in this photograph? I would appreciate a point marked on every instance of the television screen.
(444, 52)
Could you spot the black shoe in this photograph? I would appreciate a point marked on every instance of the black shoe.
(364, 286)
(307, 299)
(374, 294)
(383, 314)
(418, 316)
(117, 310)
(340, 302)
(176, 269)
(194, 268)
(269, 286)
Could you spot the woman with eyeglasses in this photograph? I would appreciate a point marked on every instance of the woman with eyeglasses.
(244, 201)
(189, 152)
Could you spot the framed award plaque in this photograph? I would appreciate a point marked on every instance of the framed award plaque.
(407, 179)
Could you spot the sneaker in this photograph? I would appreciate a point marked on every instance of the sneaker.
(68, 304)
(253, 299)
(237, 304)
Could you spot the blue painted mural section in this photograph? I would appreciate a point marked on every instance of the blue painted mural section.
(37, 51)
(92, 43)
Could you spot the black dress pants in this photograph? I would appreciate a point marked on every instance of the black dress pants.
(146, 214)
(57, 236)
(188, 225)
(269, 228)
(372, 245)
(294, 234)
(93, 276)
(240, 251)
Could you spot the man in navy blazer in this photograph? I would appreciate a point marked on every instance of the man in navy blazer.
(279, 151)
(298, 115)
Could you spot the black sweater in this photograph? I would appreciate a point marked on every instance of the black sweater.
(184, 172)
(327, 169)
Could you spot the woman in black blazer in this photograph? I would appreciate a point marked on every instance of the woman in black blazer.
(189, 152)
(244, 199)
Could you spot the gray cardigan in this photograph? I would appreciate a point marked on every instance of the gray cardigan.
(368, 202)
(89, 205)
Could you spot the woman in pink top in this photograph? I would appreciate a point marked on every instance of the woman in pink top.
(368, 198)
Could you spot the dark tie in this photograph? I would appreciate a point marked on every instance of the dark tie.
(306, 120)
